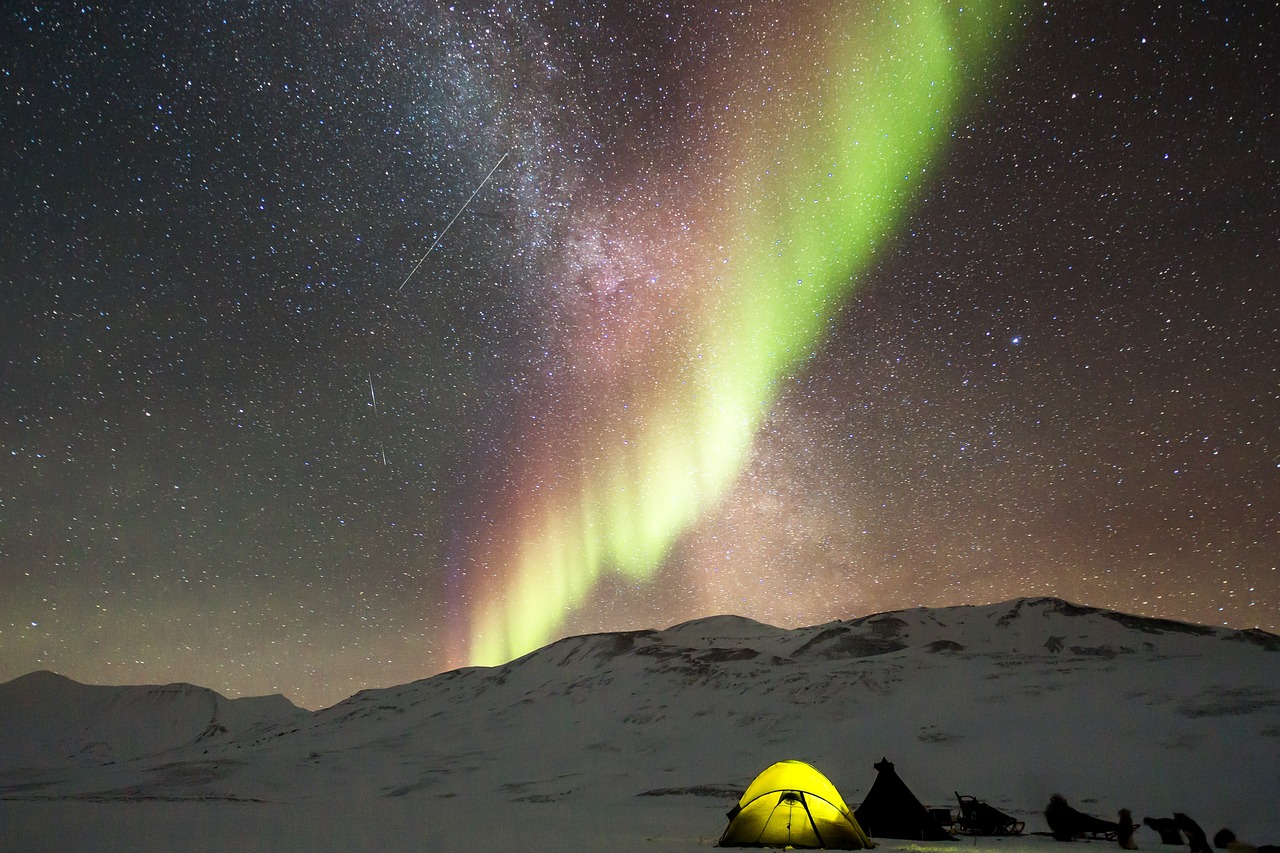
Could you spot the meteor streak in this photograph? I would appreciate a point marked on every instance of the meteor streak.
(474, 193)
(376, 420)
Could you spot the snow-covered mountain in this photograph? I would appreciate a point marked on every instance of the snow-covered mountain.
(52, 721)
(1011, 702)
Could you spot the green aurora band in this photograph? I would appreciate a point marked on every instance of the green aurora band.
(824, 143)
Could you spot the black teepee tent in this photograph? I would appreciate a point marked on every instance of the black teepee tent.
(890, 810)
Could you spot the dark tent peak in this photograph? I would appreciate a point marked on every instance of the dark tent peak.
(890, 810)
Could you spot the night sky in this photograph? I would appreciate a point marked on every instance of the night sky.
(347, 343)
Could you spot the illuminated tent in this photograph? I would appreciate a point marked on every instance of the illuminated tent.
(890, 810)
(791, 804)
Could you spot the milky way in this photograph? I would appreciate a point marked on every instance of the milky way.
(798, 311)
(694, 298)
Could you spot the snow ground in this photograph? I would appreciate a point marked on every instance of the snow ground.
(657, 826)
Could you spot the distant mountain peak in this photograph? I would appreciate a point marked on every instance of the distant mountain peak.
(61, 721)
(724, 624)
(40, 676)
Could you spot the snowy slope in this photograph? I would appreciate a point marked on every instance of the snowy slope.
(51, 721)
(1011, 702)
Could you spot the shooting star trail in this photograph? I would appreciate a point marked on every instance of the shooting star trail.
(474, 193)
(377, 421)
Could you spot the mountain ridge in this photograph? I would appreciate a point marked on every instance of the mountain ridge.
(103, 723)
(1013, 701)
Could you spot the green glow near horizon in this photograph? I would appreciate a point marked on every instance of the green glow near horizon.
(822, 167)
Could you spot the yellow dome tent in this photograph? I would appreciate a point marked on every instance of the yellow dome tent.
(791, 804)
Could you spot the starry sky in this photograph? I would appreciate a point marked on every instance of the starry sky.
(347, 343)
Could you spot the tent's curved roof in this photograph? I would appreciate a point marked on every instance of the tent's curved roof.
(792, 775)
(791, 804)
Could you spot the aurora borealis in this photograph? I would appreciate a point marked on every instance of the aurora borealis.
(795, 310)
(815, 146)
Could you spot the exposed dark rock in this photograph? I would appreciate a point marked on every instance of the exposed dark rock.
(1257, 637)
